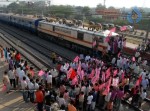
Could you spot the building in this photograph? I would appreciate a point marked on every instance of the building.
(109, 14)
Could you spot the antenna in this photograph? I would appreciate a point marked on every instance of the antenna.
(104, 3)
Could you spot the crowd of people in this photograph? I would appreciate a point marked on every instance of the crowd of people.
(84, 84)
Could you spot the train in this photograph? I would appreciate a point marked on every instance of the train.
(76, 38)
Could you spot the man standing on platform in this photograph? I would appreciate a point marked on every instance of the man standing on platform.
(39, 99)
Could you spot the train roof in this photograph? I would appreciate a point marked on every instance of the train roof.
(81, 29)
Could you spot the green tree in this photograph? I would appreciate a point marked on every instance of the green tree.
(100, 6)
(86, 10)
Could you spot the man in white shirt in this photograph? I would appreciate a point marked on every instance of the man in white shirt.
(143, 74)
(11, 75)
(24, 87)
(17, 74)
(118, 63)
(142, 97)
(137, 54)
(113, 61)
(36, 85)
(54, 73)
(87, 58)
(49, 81)
(31, 90)
(89, 101)
(21, 74)
(144, 63)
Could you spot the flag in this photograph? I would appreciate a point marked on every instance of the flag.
(97, 72)
(92, 73)
(79, 69)
(115, 72)
(107, 73)
(103, 76)
(94, 43)
(110, 34)
(94, 79)
(138, 82)
(41, 72)
(122, 76)
(72, 74)
(119, 54)
(82, 74)
(75, 81)
(101, 86)
(106, 91)
(123, 28)
(76, 59)
(69, 73)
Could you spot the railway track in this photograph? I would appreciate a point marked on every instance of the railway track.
(12, 35)
(41, 46)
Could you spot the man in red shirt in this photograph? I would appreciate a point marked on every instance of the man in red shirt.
(39, 99)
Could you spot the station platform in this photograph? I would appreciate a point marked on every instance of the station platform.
(12, 101)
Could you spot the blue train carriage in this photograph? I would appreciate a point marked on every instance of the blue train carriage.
(77, 39)
(27, 22)
(16, 21)
(30, 23)
(5, 18)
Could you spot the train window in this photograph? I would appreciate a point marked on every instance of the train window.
(80, 36)
(53, 28)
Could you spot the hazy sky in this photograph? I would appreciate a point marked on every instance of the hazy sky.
(115, 3)
(93, 3)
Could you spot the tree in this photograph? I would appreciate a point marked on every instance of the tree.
(111, 7)
(86, 10)
(100, 6)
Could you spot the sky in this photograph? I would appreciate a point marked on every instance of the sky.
(93, 3)
(115, 3)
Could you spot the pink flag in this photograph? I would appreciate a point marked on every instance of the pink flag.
(75, 81)
(76, 59)
(69, 73)
(122, 76)
(97, 72)
(123, 28)
(107, 73)
(92, 73)
(138, 82)
(133, 59)
(103, 76)
(101, 86)
(41, 72)
(82, 74)
(94, 43)
(119, 54)
(115, 72)
(94, 79)
(4, 88)
(110, 34)
(79, 69)
(106, 91)
(109, 81)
